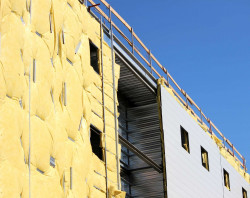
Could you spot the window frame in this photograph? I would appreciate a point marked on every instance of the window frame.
(204, 164)
(244, 190)
(97, 132)
(225, 173)
(184, 139)
(97, 66)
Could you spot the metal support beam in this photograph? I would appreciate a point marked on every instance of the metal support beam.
(103, 109)
(114, 98)
(141, 155)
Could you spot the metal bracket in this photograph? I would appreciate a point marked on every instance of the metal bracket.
(93, 6)
(141, 155)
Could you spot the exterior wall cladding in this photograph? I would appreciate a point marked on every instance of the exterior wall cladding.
(186, 177)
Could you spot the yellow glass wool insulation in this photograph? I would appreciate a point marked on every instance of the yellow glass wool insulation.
(96, 92)
(40, 11)
(116, 193)
(109, 103)
(2, 84)
(110, 132)
(45, 63)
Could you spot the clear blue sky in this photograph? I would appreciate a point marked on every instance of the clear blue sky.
(205, 45)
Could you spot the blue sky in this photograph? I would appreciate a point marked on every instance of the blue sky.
(205, 45)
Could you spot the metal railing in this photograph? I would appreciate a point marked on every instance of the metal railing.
(161, 72)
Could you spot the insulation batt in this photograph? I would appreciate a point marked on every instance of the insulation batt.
(45, 64)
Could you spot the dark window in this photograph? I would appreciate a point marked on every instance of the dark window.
(95, 140)
(184, 139)
(226, 179)
(244, 193)
(204, 158)
(94, 56)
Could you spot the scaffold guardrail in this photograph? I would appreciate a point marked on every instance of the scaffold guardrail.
(162, 72)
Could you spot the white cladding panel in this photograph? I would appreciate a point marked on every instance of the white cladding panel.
(237, 182)
(186, 177)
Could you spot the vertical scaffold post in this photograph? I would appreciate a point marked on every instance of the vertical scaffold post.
(103, 108)
(186, 100)
(233, 149)
(210, 127)
(132, 39)
(201, 116)
(150, 61)
(224, 141)
(167, 77)
(114, 98)
(244, 164)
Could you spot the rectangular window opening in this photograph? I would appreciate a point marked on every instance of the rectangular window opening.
(204, 158)
(244, 193)
(185, 139)
(226, 179)
(94, 57)
(95, 139)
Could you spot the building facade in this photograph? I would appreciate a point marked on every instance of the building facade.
(84, 114)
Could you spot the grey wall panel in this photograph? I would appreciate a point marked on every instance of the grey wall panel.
(186, 177)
